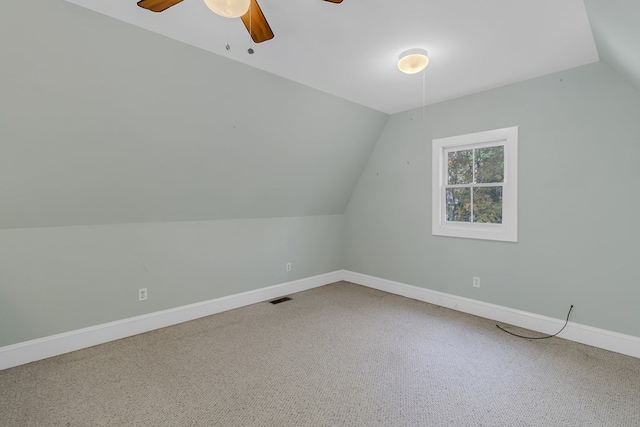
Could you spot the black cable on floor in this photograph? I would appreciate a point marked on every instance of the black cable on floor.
(540, 338)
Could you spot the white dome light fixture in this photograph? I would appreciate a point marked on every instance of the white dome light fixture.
(228, 8)
(413, 61)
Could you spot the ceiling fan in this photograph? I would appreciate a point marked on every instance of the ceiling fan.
(253, 19)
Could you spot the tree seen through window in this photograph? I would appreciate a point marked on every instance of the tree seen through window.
(474, 184)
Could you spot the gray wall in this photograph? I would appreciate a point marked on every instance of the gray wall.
(57, 279)
(614, 24)
(578, 185)
(130, 160)
(103, 122)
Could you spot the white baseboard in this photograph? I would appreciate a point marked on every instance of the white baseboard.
(42, 348)
(613, 341)
(54, 345)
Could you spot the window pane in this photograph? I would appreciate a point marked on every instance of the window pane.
(460, 167)
(487, 205)
(490, 164)
(458, 204)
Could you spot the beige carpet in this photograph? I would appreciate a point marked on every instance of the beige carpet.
(339, 355)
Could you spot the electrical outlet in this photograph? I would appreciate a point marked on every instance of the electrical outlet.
(288, 267)
(142, 294)
(476, 282)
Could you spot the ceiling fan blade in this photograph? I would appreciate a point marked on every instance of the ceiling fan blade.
(256, 23)
(157, 5)
(334, 1)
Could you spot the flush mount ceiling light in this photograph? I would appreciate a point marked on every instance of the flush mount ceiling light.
(228, 8)
(413, 61)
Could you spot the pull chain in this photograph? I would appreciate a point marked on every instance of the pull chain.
(250, 50)
(424, 127)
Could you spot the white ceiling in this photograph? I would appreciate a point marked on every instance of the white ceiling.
(350, 49)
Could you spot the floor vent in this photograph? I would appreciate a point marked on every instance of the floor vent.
(279, 300)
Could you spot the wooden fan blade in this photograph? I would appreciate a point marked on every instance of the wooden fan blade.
(256, 23)
(334, 1)
(157, 5)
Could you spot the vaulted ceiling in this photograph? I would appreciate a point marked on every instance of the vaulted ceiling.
(350, 49)
(102, 121)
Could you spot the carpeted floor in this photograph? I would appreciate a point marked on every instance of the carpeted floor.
(339, 355)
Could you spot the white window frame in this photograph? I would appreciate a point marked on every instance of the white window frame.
(506, 231)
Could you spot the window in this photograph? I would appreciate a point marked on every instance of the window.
(475, 185)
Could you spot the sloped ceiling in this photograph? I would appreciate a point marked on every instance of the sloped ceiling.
(103, 122)
(616, 29)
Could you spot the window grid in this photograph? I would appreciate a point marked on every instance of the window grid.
(473, 184)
